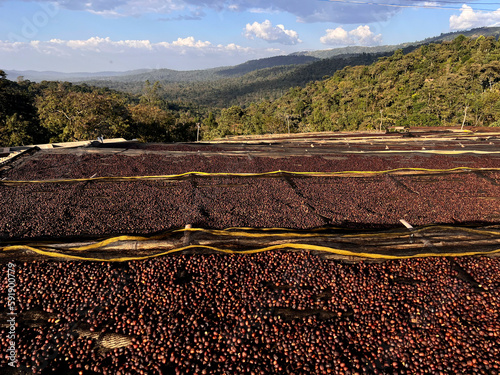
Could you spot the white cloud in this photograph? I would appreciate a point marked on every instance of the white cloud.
(126, 7)
(107, 13)
(272, 34)
(305, 11)
(191, 42)
(469, 19)
(336, 36)
(362, 36)
(99, 54)
(10, 47)
(312, 10)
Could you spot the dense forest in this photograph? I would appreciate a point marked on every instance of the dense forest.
(445, 84)
(239, 85)
(34, 113)
(264, 79)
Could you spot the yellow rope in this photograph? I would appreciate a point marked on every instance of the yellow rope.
(228, 174)
(438, 152)
(254, 251)
(242, 233)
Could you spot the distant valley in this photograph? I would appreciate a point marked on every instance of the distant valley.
(449, 80)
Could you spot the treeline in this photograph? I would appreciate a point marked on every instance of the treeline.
(264, 79)
(443, 84)
(224, 88)
(34, 113)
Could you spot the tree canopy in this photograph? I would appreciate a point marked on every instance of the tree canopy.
(43, 112)
(450, 83)
(434, 85)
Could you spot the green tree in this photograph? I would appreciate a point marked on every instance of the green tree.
(152, 124)
(15, 131)
(185, 127)
(19, 123)
(233, 119)
(152, 94)
(71, 116)
(210, 122)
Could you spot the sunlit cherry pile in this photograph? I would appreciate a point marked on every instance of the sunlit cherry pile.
(272, 313)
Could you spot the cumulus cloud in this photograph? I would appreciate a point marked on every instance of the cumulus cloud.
(361, 36)
(469, 18)
(305, 11)
(191, 42)
(272, 34)
(99, 44)
(98, 54)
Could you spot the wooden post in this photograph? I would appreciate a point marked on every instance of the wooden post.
(187, 235)
(381, 119)
(465, 115)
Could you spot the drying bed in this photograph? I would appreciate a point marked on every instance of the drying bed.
(275, 312)
(95, 208)
(272, 313)
(45, 165)
(109, 207)
(100, 208)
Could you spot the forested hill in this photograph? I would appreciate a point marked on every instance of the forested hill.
(34, 113)
(239, 89)
(445, 37)
(253, 81)
(138, 77)
(444, 84)
(434, 85)
(267, 79)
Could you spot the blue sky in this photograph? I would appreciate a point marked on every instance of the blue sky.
(119, 35)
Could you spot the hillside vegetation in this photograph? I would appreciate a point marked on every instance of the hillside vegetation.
(266, 78)
(444, 37)
(239, 85)
(34, 113)
(435, 85)
(450, 83)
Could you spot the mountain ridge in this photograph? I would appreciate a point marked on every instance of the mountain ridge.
(296, 58)
(349, 50)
